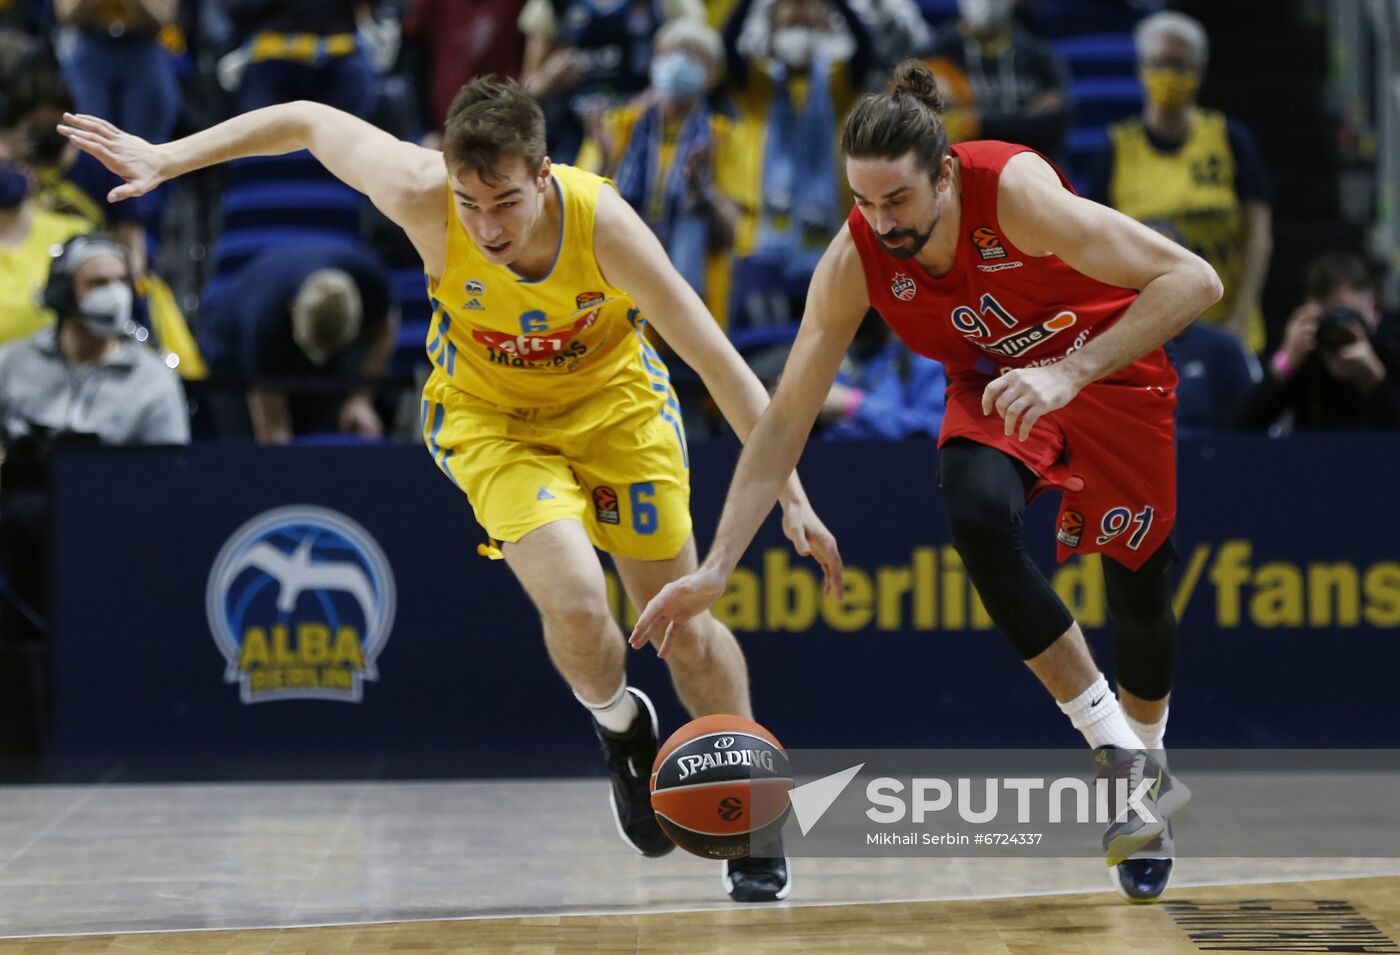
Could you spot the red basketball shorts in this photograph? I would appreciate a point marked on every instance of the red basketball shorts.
(1111, 452)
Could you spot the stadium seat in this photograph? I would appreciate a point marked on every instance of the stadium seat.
(292, 204)
(1102, 54)
(1099, 101)
(237, 246)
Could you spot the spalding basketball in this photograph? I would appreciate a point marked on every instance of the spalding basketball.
(719, 785)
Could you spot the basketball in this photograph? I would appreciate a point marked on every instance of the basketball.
(720, 784)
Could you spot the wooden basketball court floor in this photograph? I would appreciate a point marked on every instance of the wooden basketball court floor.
(537, 867)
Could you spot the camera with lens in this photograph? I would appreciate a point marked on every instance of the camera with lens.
(1338, 327)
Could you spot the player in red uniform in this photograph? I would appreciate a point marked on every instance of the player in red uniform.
(984, 258)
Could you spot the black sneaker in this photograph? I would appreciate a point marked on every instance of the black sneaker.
(1164, 795)
(629, 756)
(763, 876)
(1144, 877)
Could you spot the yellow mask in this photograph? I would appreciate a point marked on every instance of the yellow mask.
(1170, 89)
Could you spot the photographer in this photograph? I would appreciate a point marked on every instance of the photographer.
(1337, 368)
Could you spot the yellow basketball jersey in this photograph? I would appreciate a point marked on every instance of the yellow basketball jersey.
(1190, 196)
(520, 343)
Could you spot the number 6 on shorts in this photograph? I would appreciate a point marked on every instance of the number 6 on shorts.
(643, 511)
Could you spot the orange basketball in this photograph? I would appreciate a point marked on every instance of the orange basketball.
(720, 784)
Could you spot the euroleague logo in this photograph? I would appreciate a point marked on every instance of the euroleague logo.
(300, 602)
(988, 243)
(730, 808)
(1071, 528)
(605, 504)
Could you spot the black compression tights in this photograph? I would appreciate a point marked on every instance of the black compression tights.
(984, 492)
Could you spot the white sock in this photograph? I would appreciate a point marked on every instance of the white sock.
(1151, 734)
(1096, 714)
(617, 714)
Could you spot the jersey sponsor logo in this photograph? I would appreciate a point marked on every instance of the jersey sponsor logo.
(544, 495)
(589, 300)
(474, 305)
(536, 349)
(300, 602)
(903, 287)
(605, 505)
(1018, 343)
(988, 243)
(474, 287)
(1000, 266)
(1071, 528)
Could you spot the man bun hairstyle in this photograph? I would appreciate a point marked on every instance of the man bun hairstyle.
(908, 117)
(490, 122)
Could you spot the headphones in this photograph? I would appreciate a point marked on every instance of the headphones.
(59, 293)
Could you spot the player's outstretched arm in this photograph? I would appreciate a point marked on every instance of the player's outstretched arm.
(387, 170)
(836, 303)
(632, 258)
(1174, 285)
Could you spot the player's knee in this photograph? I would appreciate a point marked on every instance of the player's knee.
(983, 527)
(579, 619)
(692, 642)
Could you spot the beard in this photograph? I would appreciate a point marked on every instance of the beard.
(916, 241)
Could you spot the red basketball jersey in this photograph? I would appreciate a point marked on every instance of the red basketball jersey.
(997, 307)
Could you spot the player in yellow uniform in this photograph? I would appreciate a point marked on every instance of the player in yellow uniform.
(546, 405)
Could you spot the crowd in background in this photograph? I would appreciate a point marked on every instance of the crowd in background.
(717, 120)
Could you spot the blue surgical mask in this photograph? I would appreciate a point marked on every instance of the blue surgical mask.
(14, 186)
(678, 77)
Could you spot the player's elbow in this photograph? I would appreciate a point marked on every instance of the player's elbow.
(1208, 283)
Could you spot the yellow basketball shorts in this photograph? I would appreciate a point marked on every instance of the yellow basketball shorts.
(616, 461)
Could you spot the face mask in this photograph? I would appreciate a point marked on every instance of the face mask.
(1170, 89)
(106, 310)
(14, 186)
(794, 46)
(678, 77)
(984, 16)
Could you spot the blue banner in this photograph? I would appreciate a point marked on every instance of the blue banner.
(323, 611)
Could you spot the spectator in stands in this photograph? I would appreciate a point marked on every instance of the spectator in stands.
(1192, 173)
(87, 375)
(790, 100)
(1018, 83)
(1339, 365)
(83, 379)
(883, 389)
(306, 331)
(1216, 373)
(36, 105)
(306, 50)
(897, 30)
(664, 149)
(448, 42)
(582, 58)
(118, 69)
(27, 234)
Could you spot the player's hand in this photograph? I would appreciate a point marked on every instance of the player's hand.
(810, 538)
(677, 602)
(357, 416)
(125, 155)
(1022, 396)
